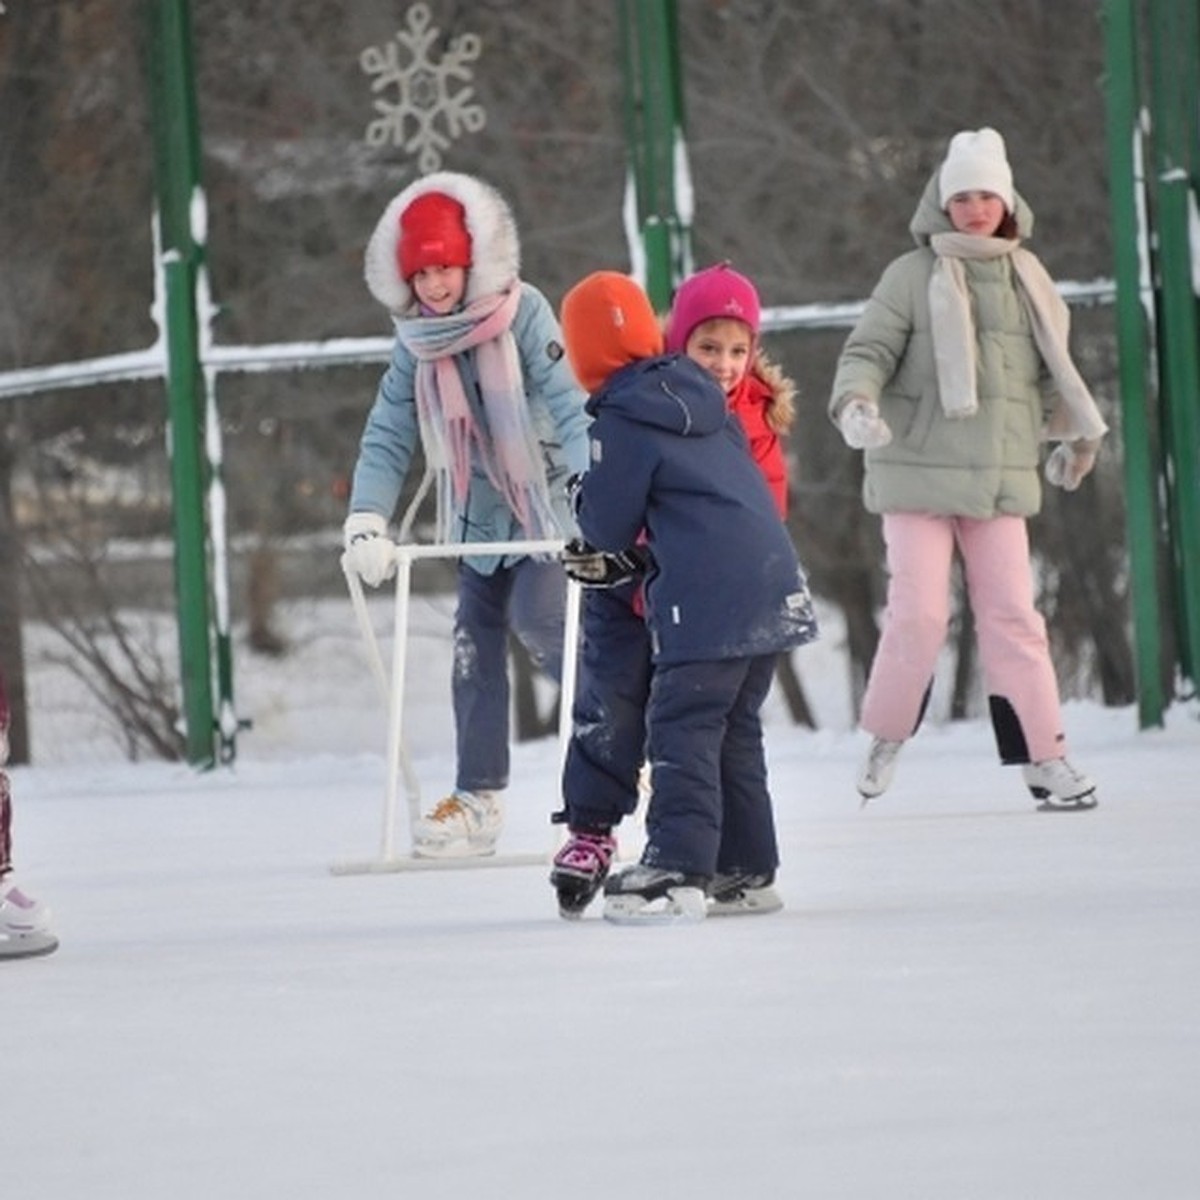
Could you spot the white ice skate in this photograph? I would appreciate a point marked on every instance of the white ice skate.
(25, 929)
(463, 825)
(879, 769)
(1058, 786)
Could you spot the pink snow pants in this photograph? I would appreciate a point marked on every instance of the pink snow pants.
(1013, 650)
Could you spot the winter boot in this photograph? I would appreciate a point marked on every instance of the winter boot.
(741, 894)
(643, 895)
(877, 772)
(24, 923)
(580, 869)
(1059, 786)
(463, 825)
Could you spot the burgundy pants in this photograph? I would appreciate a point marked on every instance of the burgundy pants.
(5, 798)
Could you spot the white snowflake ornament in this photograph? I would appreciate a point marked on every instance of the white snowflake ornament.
(422, 90)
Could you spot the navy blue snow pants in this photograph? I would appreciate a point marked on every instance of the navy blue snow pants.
(710, 810)
(530, 598)
(608, 720)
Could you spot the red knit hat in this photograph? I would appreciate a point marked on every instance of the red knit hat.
(715, 293)
(433, 233)
(607, 323)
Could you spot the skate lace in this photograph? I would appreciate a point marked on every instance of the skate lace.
(16, 898)
(1061, 769)
(586, 853)
(447, 810)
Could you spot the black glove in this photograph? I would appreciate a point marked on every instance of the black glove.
(574, 483)
(599, 569)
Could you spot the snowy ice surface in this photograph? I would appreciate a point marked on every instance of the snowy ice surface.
(964, 999)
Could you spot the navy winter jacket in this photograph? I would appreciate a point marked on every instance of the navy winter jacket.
(667, 457)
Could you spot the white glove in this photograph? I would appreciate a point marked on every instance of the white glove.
(370, 553)
(861, 425)
(1070, 463)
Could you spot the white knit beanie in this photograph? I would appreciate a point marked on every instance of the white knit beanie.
(976, 162)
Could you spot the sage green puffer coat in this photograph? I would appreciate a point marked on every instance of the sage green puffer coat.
(978, 466)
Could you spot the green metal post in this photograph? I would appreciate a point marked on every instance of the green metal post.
(177, 173)
(1174, 44)
(1142, 518)
(654, 134)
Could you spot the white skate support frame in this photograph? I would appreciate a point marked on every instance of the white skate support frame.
(392, 692)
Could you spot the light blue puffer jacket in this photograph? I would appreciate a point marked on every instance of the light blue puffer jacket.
(556, 406)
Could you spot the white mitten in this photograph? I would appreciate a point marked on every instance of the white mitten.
(1070, 463)
(370, 553)
(861, 425)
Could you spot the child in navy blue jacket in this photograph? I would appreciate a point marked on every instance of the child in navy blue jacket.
(724, 592)
(714, 320)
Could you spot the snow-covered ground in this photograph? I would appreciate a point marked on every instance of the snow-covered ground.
(963, 999)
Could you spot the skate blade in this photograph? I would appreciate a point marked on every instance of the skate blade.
(1053, 804)
(575, 892)
(680, 906)
(27, 945)
(571, 903)
(757, 903)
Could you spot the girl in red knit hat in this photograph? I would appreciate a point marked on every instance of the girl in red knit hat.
(478, 379)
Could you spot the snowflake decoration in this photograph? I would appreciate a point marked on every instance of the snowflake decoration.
(422, 90)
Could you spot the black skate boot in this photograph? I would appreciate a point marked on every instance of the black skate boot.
(741, 894)
(645, 895)
(580, 869)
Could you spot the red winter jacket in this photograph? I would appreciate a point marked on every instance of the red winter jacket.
(750, 401)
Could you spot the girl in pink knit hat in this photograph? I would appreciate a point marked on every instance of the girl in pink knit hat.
(715, 321)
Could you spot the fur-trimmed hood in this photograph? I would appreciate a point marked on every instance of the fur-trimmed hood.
(495, 247)
(780, 392)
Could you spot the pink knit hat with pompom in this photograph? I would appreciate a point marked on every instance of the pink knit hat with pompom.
(716, 293)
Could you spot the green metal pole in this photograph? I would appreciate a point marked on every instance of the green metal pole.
(177, 172)
(1142, 518)
(1175, 41)
(654, 133)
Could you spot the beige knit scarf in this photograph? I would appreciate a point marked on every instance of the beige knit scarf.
(953, 330)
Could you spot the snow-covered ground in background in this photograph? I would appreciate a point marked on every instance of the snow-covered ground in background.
(964, 999)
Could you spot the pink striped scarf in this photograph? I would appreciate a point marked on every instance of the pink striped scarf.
(505, 445)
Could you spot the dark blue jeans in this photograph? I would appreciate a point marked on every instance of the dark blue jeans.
(530, 599)
(711, 809)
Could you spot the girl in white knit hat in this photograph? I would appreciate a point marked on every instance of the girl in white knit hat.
(952, 380)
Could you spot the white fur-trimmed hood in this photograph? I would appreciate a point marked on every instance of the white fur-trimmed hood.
(495, 247)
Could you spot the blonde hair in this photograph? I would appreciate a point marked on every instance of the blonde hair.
(781, 408)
